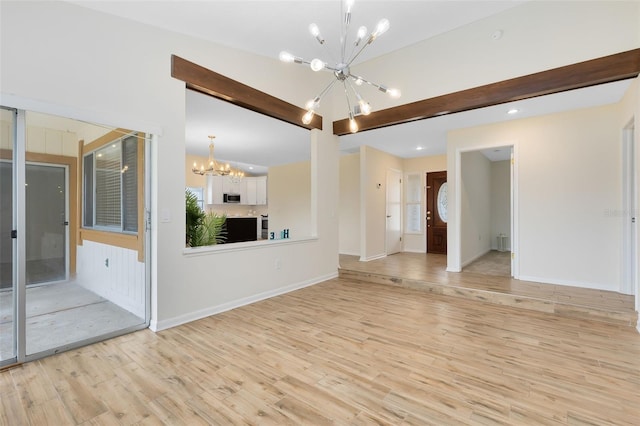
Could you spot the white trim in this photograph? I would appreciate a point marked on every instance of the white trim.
(454, 257)
(638, 324)
(95, 117)
(374, 257)
(156, 325)
(243, 246)
(567, 283)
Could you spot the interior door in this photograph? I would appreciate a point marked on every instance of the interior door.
(437, 211)
(394, 212)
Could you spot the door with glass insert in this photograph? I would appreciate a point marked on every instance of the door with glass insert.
(437, 212)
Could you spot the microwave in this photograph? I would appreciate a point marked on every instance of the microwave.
(231, 198)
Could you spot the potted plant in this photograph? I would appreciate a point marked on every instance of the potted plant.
(203, 229)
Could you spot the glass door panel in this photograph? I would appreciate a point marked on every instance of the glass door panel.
(46, 210)
(46, 259)
(7, 288)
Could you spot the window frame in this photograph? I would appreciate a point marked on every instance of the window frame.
(104, 234)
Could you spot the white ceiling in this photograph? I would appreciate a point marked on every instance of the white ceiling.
(266, 27)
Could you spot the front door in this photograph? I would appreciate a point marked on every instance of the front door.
(437, 212)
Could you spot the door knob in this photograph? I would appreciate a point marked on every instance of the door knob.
(388, 216)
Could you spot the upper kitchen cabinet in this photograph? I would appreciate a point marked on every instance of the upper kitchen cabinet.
(261, 190)
(214, 190)
(252, 190)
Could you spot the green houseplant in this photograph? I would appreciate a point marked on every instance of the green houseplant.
(203, 229)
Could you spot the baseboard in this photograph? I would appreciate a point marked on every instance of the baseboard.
(155, 325)
(414, 251)
(567, 283)
(473, 259)
(350, 253)
(370, 258)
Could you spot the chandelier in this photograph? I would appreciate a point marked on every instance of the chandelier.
(215, 169)
(342, 70)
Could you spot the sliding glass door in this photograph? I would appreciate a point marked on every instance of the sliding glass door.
(7, 251)
(70, 275)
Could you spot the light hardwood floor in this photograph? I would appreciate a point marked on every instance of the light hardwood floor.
(427, 272)
(343, 352)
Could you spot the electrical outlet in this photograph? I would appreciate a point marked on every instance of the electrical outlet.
(106, 262)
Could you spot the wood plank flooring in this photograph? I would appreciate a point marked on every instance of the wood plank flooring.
(342, 352)
(427, 272)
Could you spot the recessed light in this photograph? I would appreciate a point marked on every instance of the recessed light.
(250, 167)
(513, 111)
(420, 148)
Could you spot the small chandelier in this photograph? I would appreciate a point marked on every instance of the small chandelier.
(342, 71)
(215, 169)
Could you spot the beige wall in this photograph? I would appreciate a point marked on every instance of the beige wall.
(500, 202)
(349, 217)
(568, 173)
(475, 207)
(289, 189)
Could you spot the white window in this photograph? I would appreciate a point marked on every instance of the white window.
(413, 204)
(110, 184)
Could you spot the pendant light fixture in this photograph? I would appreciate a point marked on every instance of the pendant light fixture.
(215, 169)
(342, 70)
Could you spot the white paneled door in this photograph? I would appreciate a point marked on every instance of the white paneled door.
(394, 212)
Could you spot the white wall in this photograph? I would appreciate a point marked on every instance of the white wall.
(67, 60)
(500, 203)
(423, 165)
(569, 174)
(468, 56)
(349, 218)
(475, 198)
(122, 281)
(373, 202)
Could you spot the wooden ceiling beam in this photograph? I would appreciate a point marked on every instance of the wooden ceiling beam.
(606, 69)
(219, 86)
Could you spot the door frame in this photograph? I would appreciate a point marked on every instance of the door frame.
(454, 235)
(20, 158)
(629, 282)
(69, 182)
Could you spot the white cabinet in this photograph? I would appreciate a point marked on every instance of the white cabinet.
(250, 199)
(214, 189)
(231, 187)
(252, 190)
(261, 190)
